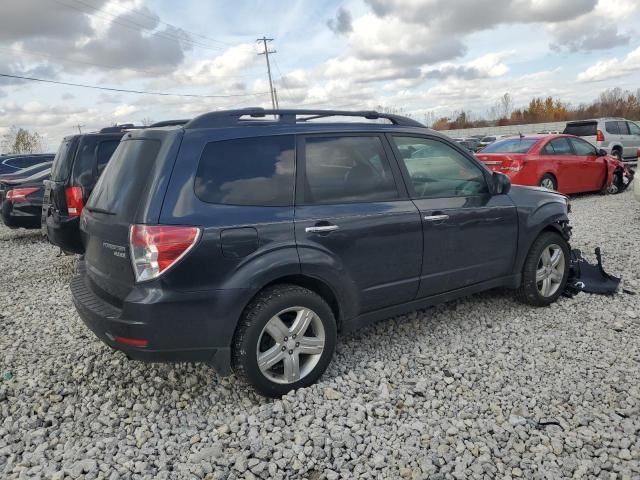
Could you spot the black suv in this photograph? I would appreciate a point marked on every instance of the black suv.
(249, 238)
(76, 168)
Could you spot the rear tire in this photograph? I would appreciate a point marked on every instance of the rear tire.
(285, 340)
(545, 271)
(549, 182)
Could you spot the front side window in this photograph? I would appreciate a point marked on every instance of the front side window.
(347, 169)
(633, 128)
(582, 148)
(255, 171)
(559, 146)
(438, 170)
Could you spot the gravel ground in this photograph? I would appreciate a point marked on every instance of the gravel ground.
(479, 388)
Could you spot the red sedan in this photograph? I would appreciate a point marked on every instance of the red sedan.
(564, 163)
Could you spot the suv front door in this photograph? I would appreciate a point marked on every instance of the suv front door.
(470, 235)
(632, 141)
(355, 225)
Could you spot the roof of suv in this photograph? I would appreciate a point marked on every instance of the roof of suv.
(257, 116)
(601, 119)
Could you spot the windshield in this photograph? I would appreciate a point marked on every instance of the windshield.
(511, 145)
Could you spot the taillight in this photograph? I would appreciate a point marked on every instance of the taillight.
(599, 136)
(18, 194)
(75, 202)
(155, 248)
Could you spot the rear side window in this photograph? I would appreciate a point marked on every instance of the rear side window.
(581, 129)
(558, 146)
(118, 191)
(64, 160)
(248, 171)
(512, 145)
(347, 169)
(611, 127)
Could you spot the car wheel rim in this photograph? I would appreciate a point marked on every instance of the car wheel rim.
(550, 270)
(547, 183)
(290, 345)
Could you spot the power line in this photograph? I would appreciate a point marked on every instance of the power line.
(266, 53)
(122, 90)
(282, 79)
(101, 65)
(151, 17)
(132, 25)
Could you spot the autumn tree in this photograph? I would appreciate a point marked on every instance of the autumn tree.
(19, 140)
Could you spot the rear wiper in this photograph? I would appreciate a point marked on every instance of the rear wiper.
(100, 210)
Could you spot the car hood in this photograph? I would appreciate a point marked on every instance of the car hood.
(520, 191)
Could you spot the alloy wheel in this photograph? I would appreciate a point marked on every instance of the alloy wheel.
(547, 183)
(290, 345)
(550, 271)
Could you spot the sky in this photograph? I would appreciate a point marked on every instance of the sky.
(429, 58)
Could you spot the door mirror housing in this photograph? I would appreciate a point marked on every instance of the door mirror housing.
(602, 152)
(501, 183)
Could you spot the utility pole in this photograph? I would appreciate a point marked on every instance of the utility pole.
(79, 128)
(264, 40)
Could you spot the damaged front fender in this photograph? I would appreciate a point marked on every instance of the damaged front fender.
(619, 176)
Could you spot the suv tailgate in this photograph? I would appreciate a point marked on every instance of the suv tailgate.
(111, 210)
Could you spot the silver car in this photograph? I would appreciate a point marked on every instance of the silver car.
(619, 137)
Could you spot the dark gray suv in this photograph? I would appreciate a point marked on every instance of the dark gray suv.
(248, 239)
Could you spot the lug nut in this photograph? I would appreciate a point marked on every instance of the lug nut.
(293, 336)
(284, 348)
(290, 352)
(297, 344)
(286, 338)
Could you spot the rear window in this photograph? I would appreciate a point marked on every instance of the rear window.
(511, 145)
(581, 129)
(247, 171)
(63, 160)
(124, 179)
(488, 139)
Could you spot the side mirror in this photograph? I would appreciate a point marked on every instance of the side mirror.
(602, 152)
(501, 183)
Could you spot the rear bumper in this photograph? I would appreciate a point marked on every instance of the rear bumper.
(64, 232)
(178, 326)
(21, 214)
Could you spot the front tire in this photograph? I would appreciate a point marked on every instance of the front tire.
(545, 271)
(285, 340)
(617, 153)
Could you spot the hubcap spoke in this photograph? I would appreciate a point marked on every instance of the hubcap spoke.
(546, 286)
(292, 367)
(277, 329)
(268, 359)
(556, 257)
(311, 345)
(556, 276)
(541, 274)
(546, 257)
(302, 321)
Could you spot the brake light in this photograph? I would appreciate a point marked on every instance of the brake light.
(155, 248)
(599, 136)
(18, 194)
(75, 202)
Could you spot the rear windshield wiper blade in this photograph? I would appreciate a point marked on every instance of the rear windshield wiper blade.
(100, 210)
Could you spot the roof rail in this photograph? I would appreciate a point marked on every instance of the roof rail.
(119, 128)
(229, 118)
(169, 123)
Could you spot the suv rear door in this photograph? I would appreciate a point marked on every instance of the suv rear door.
(470, 235)
(353, 219)
(587, 129)
(632, 141)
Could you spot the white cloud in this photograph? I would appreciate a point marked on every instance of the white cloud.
(612, 68)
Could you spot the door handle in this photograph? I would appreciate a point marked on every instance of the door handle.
(436, 218)
(321, 229)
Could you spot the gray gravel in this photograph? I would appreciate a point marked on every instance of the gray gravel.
(479, 388)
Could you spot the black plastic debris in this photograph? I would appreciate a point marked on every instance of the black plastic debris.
(585, 277)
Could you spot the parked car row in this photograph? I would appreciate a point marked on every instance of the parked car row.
(248, 239)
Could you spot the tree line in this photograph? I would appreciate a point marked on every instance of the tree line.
(610, 103)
